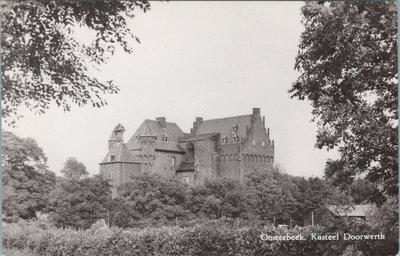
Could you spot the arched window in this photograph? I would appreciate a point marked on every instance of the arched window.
(224, 140)
(235, 138)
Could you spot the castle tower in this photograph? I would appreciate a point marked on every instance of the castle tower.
(119, 165)
(147, 139)
(117, 135)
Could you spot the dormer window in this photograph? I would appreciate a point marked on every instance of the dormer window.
(112, 158)
(224, 140)
(137, 136)
(235, 138)
(165, 137)
(234, 128)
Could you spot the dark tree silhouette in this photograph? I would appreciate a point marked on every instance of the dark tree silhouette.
(43, 63)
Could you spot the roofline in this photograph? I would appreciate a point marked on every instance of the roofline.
(158, 121)
(225, 118)
(119, 162)
(166, 150)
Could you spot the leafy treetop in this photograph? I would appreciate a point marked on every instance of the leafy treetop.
(348, 63)
(42, 62)
(74, 169)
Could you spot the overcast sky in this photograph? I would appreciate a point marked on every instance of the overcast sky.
(208, 59)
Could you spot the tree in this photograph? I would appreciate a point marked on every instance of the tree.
(348, 63)
(155, 198)
(26, 178)
(363, 191)
(314, 193)
(74, 169)
(79, 202)
(121, 213)
(273, 196)
(220, 198)
(43, 62)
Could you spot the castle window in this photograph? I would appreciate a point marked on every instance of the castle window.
(109, 175)
(235, 138)
(224, 140)
(173, 161)
(234, 128)
(112, 158)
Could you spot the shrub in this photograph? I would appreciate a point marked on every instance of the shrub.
(218, 237)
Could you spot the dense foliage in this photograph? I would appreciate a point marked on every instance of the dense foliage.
(74, 169)
(270, 196)
(79, 202)
(222, 237)
(348, 63)
(26, 178)
(43, 62)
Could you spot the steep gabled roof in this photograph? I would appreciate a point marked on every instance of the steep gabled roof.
(146, 131)
(172, 130)
(360, 210)
(224, 126)
(121, 153)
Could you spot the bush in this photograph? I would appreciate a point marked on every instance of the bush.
(218, 237)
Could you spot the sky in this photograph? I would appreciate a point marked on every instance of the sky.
(196, 59)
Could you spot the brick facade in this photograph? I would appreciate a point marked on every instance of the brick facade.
(228, 147)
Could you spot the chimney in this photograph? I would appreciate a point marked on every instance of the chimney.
(196, 124)
(162, 121)
(256, 111)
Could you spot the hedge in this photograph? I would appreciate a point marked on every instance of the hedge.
(210, 238)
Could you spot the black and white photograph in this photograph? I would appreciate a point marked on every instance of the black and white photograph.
(199, 128)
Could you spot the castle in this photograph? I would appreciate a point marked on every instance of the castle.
(227, 147)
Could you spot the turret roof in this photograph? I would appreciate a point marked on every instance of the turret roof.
(118, 128)
(120, 152)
